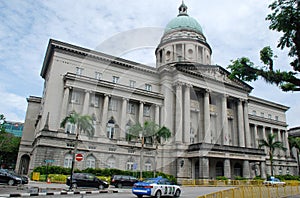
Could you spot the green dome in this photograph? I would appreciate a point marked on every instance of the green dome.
(184, 22)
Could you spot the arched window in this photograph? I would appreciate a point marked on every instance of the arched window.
(68, 161)
(110, 128)
(90, 162)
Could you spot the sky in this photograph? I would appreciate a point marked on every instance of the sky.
(233, 29)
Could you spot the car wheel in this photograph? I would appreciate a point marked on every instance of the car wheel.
(158, 194)
(74, 185)
(177, 193)
(101, 187)
(140, 196)
(119, 185)
(11, 182)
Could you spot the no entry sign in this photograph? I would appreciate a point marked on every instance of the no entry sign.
(79, 157)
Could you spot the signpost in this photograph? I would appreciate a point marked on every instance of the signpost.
(79, 157)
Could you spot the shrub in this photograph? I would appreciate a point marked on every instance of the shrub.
(221, 178)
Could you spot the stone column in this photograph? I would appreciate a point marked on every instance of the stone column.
(255, 142)
(263, 170)
(157, 118)
(123, 118)
(141, 113)
(225, 120)
(204, 167)
(285, 141)
(241, 133)
(227, 168)
(207, 132)
(178, 124)
(105, 110)
(264, 136)
(246, 169)
(65, 101)
(187, 114)
(247, 129)
(86, 103)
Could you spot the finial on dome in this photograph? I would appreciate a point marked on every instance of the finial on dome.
(182, 9)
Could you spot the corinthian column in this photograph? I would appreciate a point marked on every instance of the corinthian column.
(187, 114)
(123, 116)
(207, 132)
(141, 113)
(241, 132)
(64, 106)
(247, 129)
(157, 118)
(178, 128)
(105, 109)
(225, 120)
(86, 102)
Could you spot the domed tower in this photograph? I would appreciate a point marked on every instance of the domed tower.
(183, 41)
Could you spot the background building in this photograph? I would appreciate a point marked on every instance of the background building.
(215, 123)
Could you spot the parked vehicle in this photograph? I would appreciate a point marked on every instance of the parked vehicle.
(156, 187)
(24, 178)
(123, 180)
(272, 181)
(6, 177)
(86, 180)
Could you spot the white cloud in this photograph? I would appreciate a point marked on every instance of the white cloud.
(233, 29)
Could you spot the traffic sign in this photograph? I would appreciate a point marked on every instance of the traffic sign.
(79, 157)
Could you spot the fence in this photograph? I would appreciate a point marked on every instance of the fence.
(246, 188)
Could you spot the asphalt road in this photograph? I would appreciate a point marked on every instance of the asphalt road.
(35, 187)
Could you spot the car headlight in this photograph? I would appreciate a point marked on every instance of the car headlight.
(17, 178)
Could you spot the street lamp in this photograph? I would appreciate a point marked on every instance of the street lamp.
(141, 157)
(73, 161)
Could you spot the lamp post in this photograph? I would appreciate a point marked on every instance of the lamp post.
(141, 157)
(73, 161)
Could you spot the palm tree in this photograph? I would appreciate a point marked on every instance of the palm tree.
(83, 123)
(152, 133)
(294, 142)
(271, 145)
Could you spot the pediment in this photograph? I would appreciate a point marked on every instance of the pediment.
(213, 72)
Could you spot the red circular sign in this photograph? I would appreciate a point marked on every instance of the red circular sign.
(79, 157)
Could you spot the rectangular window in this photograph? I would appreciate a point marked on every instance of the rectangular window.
(113, 104)
(129, 166)
(115, 79)
(269, 116)
(276, 118)
(253, 112)
(76, 97)
(95, 101)
(148, 87)
(147, 110)
(132, 83)
(262, 114)
(98, 75)
(79, 70)
(131, 108)
(70, 128)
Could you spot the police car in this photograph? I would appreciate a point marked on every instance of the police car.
(156, 187)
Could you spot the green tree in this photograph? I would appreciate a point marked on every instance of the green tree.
(9, 145)
(150, 132)
(271, 146)
(285, 18)
(294, 142)
(83, 123)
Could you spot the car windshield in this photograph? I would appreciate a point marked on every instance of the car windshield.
(150, 180)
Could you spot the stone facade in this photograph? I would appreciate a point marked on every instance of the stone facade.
(215, 123)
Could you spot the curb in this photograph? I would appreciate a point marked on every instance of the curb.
(55, 193)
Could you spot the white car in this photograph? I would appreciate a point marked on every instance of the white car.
(156, 187)
(274, 182)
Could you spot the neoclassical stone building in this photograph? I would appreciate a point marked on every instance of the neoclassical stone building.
(214, 121)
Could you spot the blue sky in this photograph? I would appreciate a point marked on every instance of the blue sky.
(233, 29)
